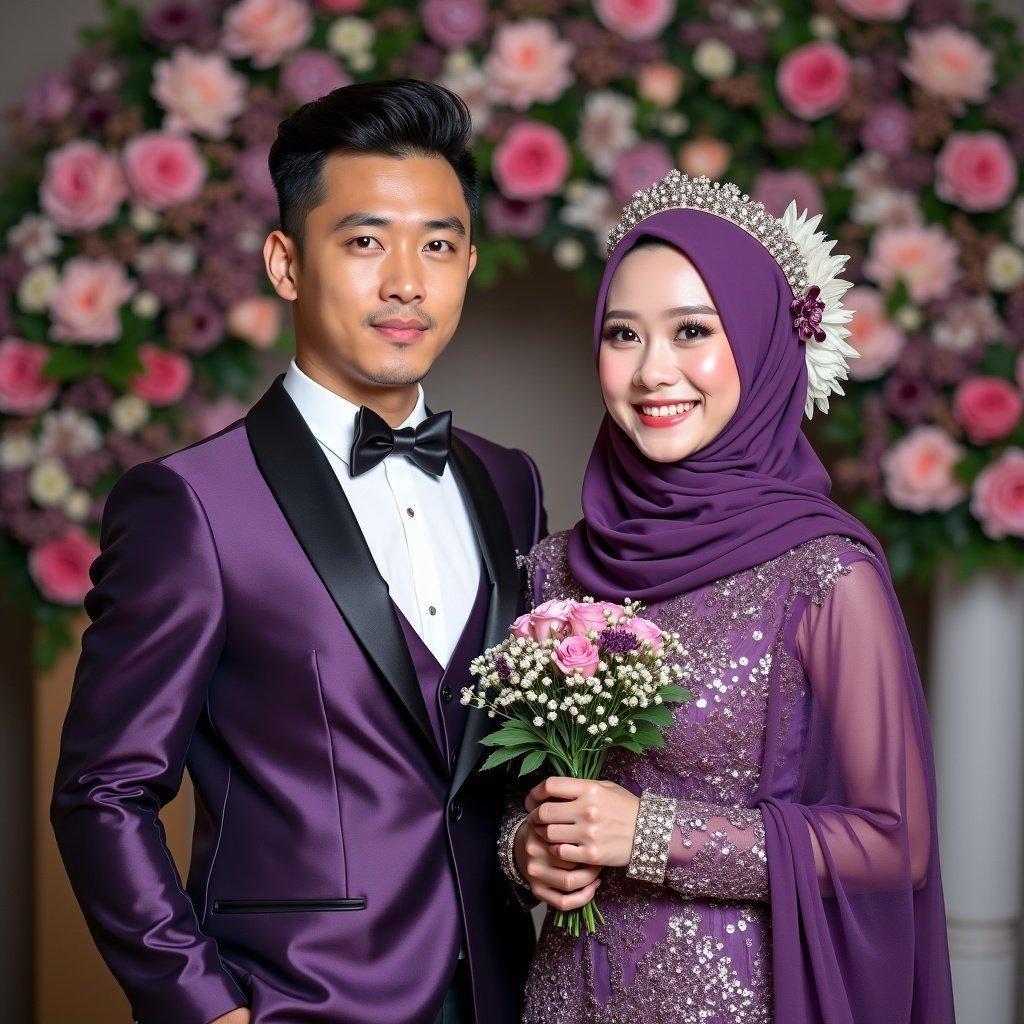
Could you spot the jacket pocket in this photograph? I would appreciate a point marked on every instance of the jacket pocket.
(286, 906)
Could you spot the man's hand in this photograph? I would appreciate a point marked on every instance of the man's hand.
(239, 1015)
(558, 883)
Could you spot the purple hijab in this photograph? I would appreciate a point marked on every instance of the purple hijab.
(859, 932)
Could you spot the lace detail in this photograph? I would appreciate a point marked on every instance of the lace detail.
(719, 852)
(654, 823)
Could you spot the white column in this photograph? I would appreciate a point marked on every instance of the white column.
(977, 710)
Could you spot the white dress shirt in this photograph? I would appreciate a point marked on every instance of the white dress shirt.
(415, 524)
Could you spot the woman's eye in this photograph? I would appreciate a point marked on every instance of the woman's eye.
(440, 242)
(621, 334)
(693, 332)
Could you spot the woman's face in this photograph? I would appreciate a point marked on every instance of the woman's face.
(667, 371)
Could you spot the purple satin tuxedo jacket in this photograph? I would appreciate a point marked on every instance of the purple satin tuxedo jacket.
(344, 843)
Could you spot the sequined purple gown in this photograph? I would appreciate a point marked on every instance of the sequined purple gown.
(696, 947)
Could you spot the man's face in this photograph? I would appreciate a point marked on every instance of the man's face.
(379, 290)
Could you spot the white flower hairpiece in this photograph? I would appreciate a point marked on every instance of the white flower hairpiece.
(804, 254)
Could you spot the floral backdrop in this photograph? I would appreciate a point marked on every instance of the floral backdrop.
(133, 300)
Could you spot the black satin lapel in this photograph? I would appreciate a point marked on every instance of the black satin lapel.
(499, 554)
(314, 503)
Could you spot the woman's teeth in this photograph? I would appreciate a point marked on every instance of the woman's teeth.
(668, 410)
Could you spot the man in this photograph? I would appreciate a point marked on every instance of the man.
(289, 609)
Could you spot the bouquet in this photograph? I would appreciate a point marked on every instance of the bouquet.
(575, 679)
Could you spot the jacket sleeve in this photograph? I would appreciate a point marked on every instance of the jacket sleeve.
(540, 515)
(157, 626)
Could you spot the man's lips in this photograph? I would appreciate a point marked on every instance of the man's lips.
(401, 330)
(664, 413)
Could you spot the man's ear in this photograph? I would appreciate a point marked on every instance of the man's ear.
(472, 258)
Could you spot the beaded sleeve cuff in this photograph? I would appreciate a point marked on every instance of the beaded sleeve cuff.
(514, 817)
(654, 824)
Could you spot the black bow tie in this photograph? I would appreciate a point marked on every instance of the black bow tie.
(427, 445)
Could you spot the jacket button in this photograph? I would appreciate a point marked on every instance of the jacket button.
(455, 760)
(455, 810)
(446, 694)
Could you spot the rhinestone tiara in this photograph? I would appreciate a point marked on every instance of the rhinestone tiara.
(803, 254)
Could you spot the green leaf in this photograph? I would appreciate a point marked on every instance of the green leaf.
(657, 715)
(673, 694)
(505, 754)
(510, 732)
(648, 735)
(532, 762)
(68, 363)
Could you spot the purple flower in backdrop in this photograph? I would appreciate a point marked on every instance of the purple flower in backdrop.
(888, 129)
(50, 98)
(310, 74)
(252, 169)
(454, 23)
(776, 189)
(177, 22)
(198, 327)
(639, 167)
(96, 109)
(518, 218)
(909, 398)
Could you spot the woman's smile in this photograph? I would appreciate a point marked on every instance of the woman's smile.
(664, 412)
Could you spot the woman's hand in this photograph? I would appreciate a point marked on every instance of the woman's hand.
(585, 822)
(558, 883)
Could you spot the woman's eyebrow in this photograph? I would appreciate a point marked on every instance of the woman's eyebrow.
(628, 314)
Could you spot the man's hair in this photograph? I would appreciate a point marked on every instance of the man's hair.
(399, 118)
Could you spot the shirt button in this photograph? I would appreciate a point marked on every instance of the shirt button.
(455, 810)
(455, 760)
(446, 694)
(432, 610)
(410, 512)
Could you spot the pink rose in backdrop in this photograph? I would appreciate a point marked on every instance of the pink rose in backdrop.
(646, 630)
(637, 168)
(576, 654)
(531, 161)
(200, 92)
(86, 303)
(976, 171)
(23, 388)
(661, 83)
(165, 376)
(777, 189)
(918, 471)
(925, 258)
(164, 169)
(310, 74)
(949, 63)
(876, 10)
(83, 186)
(60, 567)
(705, 156)
(548, 616)
(527, 63)
(998, 496)
(585, 616)
(988, 408)
(878, 340)
(256, 319)
(265, 30)
(814, 79)
(635, 19)
(454, 23)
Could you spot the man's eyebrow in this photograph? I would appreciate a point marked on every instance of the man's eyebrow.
(362, 218)
(629, 314)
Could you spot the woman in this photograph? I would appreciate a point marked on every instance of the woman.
(777, 860)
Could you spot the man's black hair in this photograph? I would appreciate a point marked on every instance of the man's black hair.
(399, 118)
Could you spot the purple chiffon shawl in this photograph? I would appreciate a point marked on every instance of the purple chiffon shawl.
(858, 920)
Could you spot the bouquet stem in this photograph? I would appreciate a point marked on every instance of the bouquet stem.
(575, 922)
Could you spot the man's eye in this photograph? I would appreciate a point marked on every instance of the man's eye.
(439, 242)
(364, 241)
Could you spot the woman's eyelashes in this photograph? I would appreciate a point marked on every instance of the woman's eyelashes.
(686, 331)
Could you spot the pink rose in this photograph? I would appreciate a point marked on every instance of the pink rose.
(918, 471)
(639, 167)
(163, 169)
(646, 630)
(527, 63)
(256, 319)
(876, 10)
(86, 303)
(814, 79)
(924, 258)
(522, 627)
(551, 615)
(660, 83)
(576, 654)
(23, 388)
(265, 30)
(777, 189)
(998, 499)
(531, 161)
(705, 156)
(310, 74)
(201, 92)
(83, 186)
(454, 23)
(586, 616)
(976, 171)
(165, 376)
(635, 19)
(949, 63)
(875, 337)
(60, 567)
(988, 408)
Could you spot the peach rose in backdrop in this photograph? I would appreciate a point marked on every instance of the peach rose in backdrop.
(60, 567)
(528, 63)
(988, 408)
(576, 653)
(635, 19)
(998, 496)
(531, 161)
(256, 319)
(165, 376)
(585, 616)
(200, 92)
(814, 79)
(878, 340)
(925, 258)
(660, 83)
(976, 171)
(705, 156)
(918, 471)
(83, 186)
(265, 30)
(876, 10)
(86, 303)
(548, 616)
(164, 169)
(949, 63)
(23, 388)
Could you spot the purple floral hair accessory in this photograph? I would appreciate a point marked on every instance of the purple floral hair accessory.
(808, 312)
